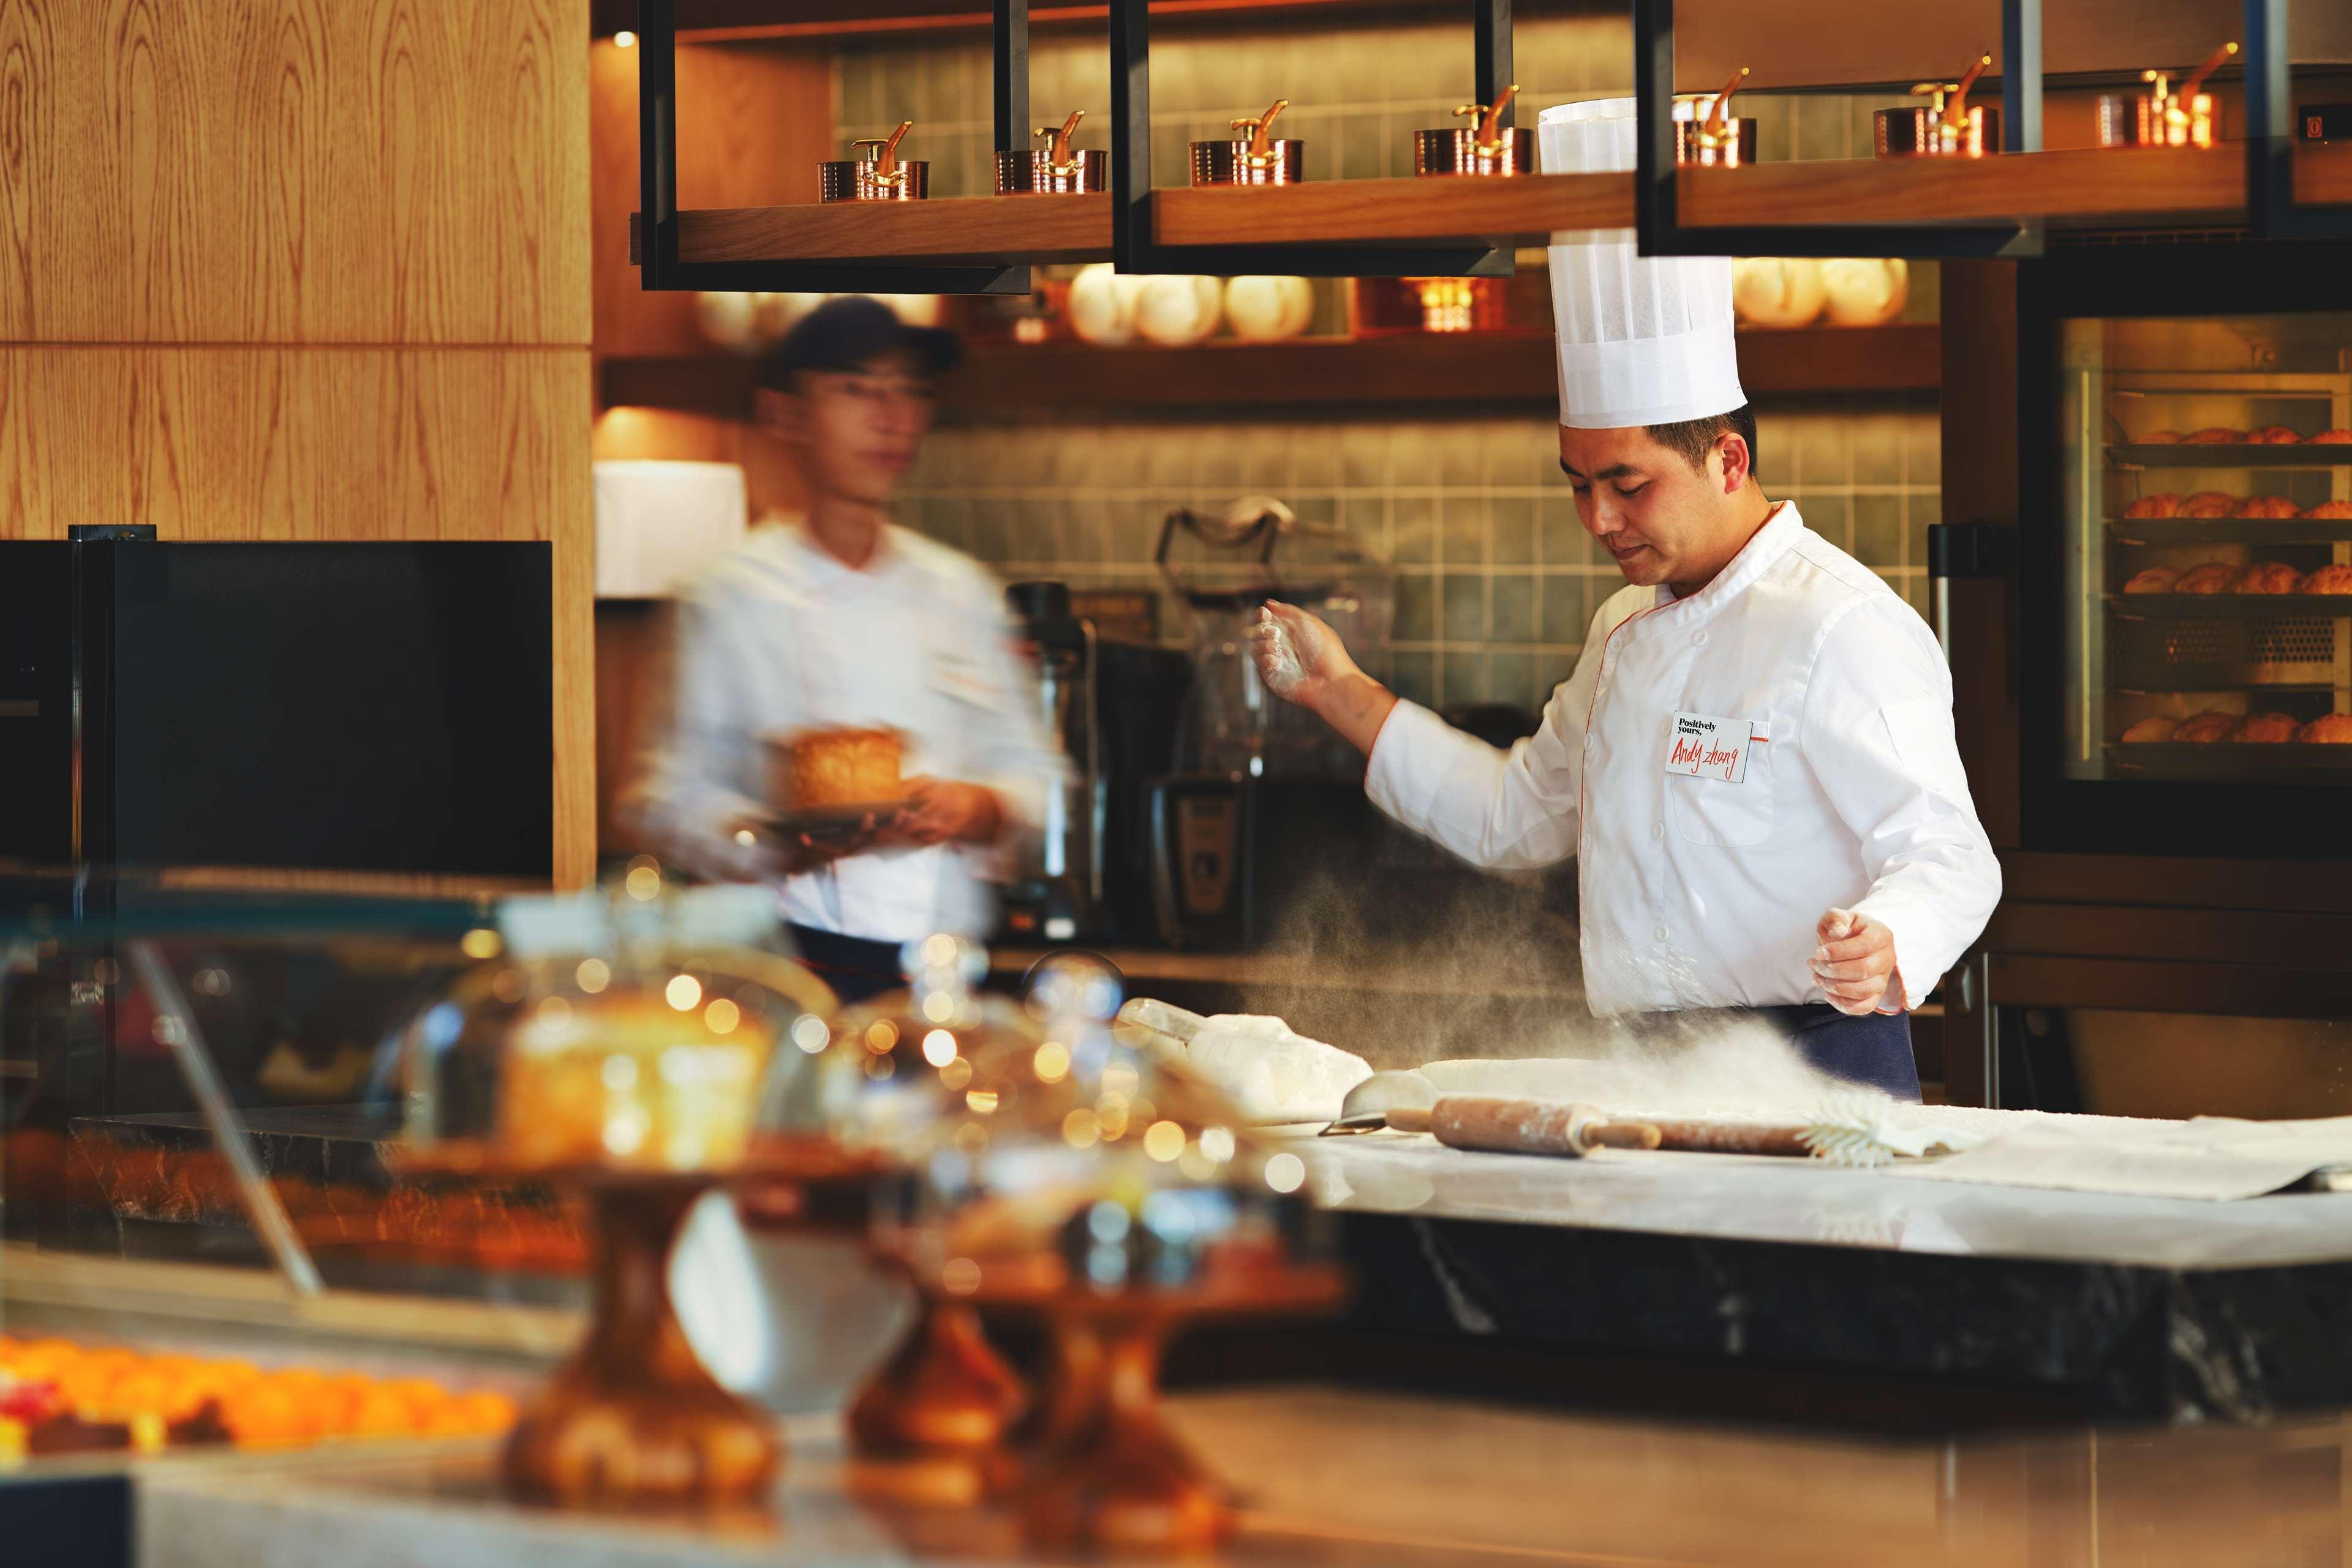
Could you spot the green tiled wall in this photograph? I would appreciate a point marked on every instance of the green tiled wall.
(1495, 579)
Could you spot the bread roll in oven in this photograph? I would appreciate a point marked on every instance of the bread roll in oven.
(2214, 435)
(2266, 730)
(2268, 505)
(2152, 580)
(2210, 503)
(2207, 728)
(2336, 437)
(2151, 729)
(2331, 509)
(2328, 730)
(2214, 577)
(2269, 577)
(2330, 580)
(2274, 436)
(2163, 503)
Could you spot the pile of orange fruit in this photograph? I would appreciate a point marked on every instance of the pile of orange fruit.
(159, 1396)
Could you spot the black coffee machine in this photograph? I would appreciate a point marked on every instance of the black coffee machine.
(1111, 702)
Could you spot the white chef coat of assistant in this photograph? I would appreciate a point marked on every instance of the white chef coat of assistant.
(780, 636)
(1699, 892)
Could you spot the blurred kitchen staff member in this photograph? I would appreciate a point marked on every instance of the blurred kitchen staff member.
(841, 618)
(1753, 762)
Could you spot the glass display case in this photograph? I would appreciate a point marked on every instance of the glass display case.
(2187, 673)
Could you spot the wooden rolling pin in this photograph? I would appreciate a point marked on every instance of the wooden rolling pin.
(1522, 1126)
(1549, 1127)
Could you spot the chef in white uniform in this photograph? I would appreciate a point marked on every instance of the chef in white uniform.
(841, 618)
(1753, 763)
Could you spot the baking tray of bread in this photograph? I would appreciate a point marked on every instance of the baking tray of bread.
(2298, 530)
(2238, 761)
(2231, 455)
(2226, 606)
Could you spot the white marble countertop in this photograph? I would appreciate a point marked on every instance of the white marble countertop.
(1735, 1197)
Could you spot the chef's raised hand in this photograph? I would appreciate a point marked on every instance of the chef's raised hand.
(1303, 661)
(1854, 962)
(944, 811)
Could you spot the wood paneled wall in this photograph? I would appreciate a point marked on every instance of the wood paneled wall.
(308, 270)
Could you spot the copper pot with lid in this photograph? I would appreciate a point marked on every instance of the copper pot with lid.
(1948, 125)
(1252, 157)
(1480, 147)
(2163, 116)
(1055, 169)
(1705, 133)
(877, 173)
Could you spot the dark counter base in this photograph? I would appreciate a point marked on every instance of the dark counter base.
(1832, 1336)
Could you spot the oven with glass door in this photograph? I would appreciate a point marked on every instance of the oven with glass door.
(2146, 597)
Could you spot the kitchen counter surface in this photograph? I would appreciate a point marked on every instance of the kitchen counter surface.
(1334, 1476)
(1802, 1202)
(2065, 1304)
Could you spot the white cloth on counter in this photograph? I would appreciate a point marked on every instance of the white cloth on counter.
(1271, 1073)
(780, 636)
(1694, 892)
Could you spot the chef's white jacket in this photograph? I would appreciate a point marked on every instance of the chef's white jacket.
(1696, 892)
(780, 636)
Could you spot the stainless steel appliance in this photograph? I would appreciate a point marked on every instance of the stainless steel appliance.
(2147, 460)
(1258, 783)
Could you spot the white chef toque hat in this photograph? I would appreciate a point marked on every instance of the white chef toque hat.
(1643, 340)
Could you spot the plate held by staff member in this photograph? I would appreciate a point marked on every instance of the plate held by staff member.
(839, 619)
(1753, 763)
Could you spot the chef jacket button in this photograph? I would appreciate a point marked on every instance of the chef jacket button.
(1657, 830)
(1660, 934)
(1698, 639)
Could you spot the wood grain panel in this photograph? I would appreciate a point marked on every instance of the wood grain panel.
(317, 444)
(1439, 207)
(753, 122)
(397, 171)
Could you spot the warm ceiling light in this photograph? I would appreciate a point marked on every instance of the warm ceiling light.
(625, 40)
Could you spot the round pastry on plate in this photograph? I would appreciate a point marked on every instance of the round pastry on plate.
(2210, 503)
(2163, 503)
(2330, 580)
(2336, 437)
(2157, 438)
(2328, 730)
(2274, 436)
(2152, 580)
(2207, 727)
(2214, 577)
(2268, 505)
(2331, 509)
(2147, 730)
(2266, 730)
(2269, 577)
(2214, 435)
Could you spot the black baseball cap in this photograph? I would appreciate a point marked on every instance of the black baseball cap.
(850, 331)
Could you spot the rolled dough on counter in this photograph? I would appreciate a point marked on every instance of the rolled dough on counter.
(1271, 1074)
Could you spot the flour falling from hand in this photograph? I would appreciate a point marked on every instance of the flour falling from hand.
(1277, 657)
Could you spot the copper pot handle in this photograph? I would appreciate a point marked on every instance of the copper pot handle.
(1057, 150)
(1488, 133)
(1956, 108)
(2214, 62)
(885, 157)
(1720, 115)
(1257, 128)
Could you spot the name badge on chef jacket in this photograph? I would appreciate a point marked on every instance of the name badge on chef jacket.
(1706, 747)
(956, 673)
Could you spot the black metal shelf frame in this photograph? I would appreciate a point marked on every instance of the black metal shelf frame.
(1658, 213)
(2271, 207)
(1135, 242)
(659, 267)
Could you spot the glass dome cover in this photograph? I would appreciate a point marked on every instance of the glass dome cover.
(638, 1045)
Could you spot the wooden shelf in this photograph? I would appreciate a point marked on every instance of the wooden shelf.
(734, 21)
(1417, 373)
(950, 229)
(2077, 189)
